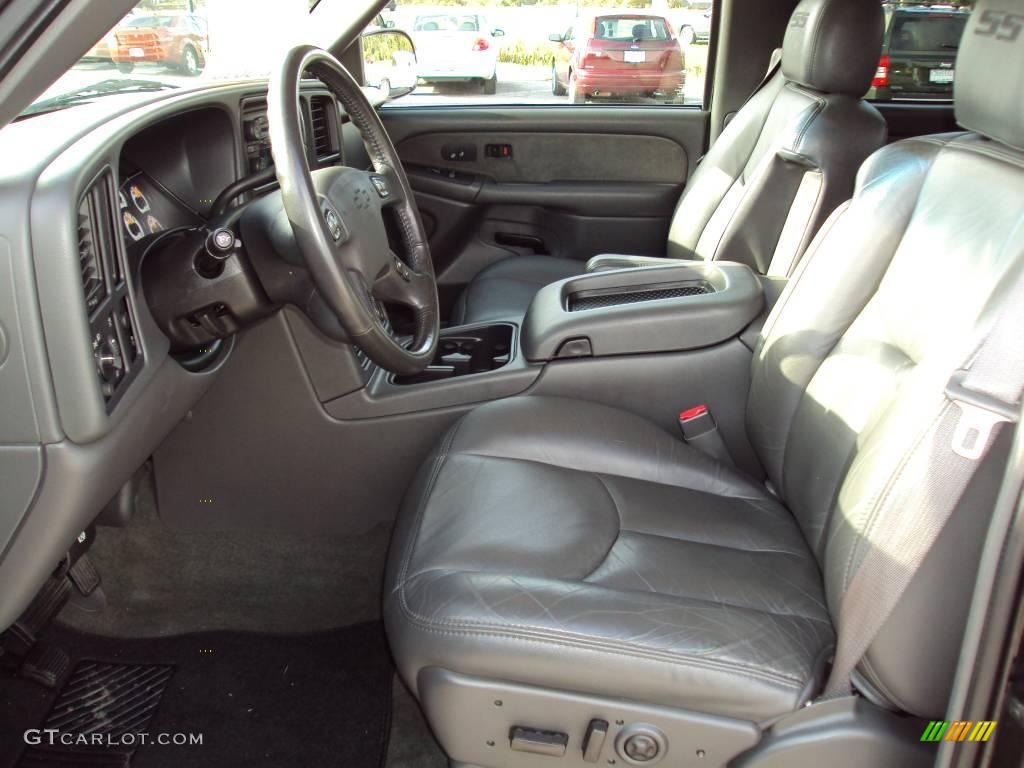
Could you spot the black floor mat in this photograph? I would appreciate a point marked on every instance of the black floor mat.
(309, 700)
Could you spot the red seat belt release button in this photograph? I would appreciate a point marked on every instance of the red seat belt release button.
(700, 430)
(696, 421)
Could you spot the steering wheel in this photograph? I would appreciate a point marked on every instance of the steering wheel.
(337, 217)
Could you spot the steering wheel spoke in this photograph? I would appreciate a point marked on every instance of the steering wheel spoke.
(402, 285)
(388, 188)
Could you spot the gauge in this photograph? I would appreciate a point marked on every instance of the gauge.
(139, 198)
(154, 224)
(121, 201)
(132, 225)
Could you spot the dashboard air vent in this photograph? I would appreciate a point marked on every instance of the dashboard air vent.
(319, 119)
(89, 252)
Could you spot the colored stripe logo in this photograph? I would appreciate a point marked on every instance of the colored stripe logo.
(959, 730)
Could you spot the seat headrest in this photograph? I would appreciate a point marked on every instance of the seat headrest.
(989, 85)
(833, 45)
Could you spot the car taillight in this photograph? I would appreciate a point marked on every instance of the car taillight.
(481, 44)
(881, 78)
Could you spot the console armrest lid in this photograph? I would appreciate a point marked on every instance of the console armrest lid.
(725, 299)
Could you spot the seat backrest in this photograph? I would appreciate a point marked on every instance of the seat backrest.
(894, 295)
(791, 154)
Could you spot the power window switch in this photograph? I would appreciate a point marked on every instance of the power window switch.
(537, 742)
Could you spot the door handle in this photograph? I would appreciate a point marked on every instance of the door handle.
(516, 240)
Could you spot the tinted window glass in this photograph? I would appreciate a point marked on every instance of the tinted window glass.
(926, 32)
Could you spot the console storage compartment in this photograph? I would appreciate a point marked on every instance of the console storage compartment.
(686, 305)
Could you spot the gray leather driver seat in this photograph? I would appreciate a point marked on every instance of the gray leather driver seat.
(780, 167)
(578, 558)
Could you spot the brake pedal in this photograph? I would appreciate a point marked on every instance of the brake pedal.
(84, 576)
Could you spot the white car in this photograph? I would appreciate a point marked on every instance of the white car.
(399, 74)
(453, 46)
(693, 25)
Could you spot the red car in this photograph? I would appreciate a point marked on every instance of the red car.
(178, 41)
(618, 55)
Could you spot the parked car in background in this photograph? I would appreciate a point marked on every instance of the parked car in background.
(918, 53)
(452, 46)
(693, 24)
(616, 55)
(179, 41)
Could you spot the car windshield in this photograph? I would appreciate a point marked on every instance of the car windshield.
(151, 21)
(447, 23)
(927, 32)
(179, 43)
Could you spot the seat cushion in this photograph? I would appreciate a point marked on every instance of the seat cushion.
(504, 290)
(574, 546)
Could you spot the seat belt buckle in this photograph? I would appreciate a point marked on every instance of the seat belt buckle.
(701, 431)
(979, 415)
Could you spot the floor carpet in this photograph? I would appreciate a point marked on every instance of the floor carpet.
(312, 700)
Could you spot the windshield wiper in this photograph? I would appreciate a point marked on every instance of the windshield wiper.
(90, 92)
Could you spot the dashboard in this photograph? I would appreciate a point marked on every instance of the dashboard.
(89, 386)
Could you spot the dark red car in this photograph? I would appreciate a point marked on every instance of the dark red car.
(178, 41)
(618, 55)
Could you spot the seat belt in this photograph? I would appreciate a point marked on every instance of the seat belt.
(979, 399)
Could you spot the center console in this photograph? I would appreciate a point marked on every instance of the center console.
(603, 316)
(680, 306)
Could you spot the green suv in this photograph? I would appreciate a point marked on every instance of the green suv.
(918, 53)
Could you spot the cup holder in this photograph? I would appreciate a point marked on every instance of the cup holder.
(466, 351)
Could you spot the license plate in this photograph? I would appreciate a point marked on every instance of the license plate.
(136, 53)
(941, 76)
(634, 57)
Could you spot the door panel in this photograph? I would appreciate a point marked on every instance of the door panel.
(567, 181)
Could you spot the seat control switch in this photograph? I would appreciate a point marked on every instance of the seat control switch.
(593, 742)
(551, 743)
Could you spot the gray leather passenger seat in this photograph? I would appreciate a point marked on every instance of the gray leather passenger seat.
(584, 559)
(780, 167)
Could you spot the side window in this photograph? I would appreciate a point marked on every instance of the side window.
(642, 52)
(919, 50)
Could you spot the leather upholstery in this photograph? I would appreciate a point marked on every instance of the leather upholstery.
(589, 550)
(506, 288)
(832, 45)
(989, 86)
(573, 546)
(738, 200)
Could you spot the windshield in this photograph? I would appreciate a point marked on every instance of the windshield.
(181, 43)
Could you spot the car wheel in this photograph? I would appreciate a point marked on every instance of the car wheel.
(687, 36)
(575, 97)
(125, 67)
(190, 61)
(556, 87)
(491, 85)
